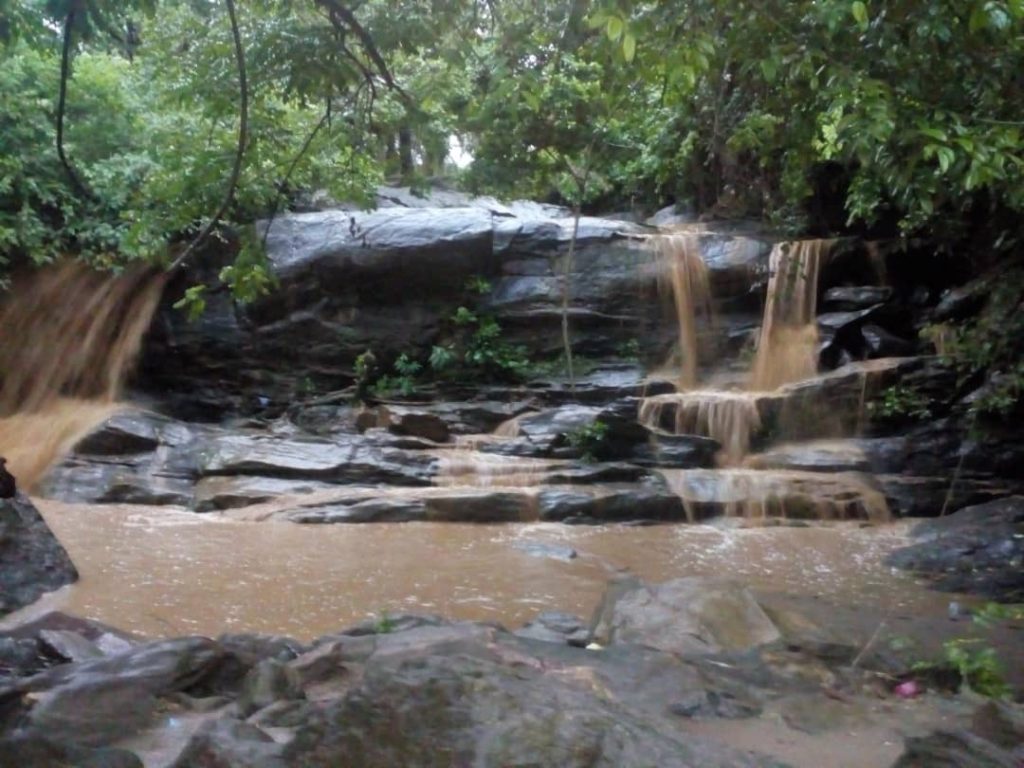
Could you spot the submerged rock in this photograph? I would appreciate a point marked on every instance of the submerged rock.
(32, 561)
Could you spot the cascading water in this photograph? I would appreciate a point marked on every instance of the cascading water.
(786, 354)
(71, 335)
(731, 418)
(684, 276)
(787, 344)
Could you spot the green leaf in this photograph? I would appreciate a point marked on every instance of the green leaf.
(629, 47)
(614, 28)
(979, 18)
(860, 13)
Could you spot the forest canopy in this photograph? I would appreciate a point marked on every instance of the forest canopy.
(128, 130)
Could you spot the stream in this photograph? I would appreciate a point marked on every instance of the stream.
(164, 572)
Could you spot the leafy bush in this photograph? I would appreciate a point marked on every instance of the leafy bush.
(899, 403)
(590, 440)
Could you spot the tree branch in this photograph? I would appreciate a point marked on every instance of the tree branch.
(243, 127)
(65, 74)
(339, 13)
(291, 169)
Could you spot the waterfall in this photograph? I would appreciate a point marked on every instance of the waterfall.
(787, 347)
(684, 275)
(70, 338)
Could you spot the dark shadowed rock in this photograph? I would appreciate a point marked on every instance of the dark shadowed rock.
(410, 421)
(32, 561)
(125, 432)
(978, 549)
(610, 504)
(557, 627)
(953, 749)
(847, 298)
(879, 342)
(37, 751)
(349, 461)
(96, 702)
(228, 743)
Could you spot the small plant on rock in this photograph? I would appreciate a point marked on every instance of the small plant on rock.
(590, 440)
(898, 403)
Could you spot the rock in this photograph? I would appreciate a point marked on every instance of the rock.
(1001, 723)
(672, 216)
(341, 461)
(70, 646)
(692, 615)
(20, 657)
(979, 549)
(221, 492)
(814, 456)
(227, 743)
(546, 550)
(322, 662)
(847, 298)
(480, 707)
(32, 561)
(816, 714)
(557, 627)
(383, 510)
(135, 457)
(675, 451)
(125, 432)
(611, 503)
(37, 751)
(99, 701)
(268, 682)
(880, 343)
(408, 421)
(953, 749)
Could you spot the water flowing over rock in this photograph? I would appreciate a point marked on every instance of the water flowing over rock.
(787, 345)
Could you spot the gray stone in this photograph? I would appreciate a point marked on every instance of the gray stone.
(268, 682)
(953, 749)
(979, 549)
(32, 561)
(692, 615)
(35, 751)
(546, 550)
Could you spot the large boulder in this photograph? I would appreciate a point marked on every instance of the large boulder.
(979, 549)
(32, 561)
(692, 615)
(96, 702)
(389, 280)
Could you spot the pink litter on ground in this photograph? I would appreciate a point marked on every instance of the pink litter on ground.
(907, 690)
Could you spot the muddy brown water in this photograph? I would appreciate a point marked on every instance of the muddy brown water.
(164, 571)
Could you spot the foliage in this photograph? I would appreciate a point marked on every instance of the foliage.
(978, 666)
(991, 345)
(900, 402)
(589, 440)
(402, 382)
(974, 660)
(908, 116)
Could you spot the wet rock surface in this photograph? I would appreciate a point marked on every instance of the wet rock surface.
(32, 561)
(413, 691)
(978, 549)
(421, 690)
